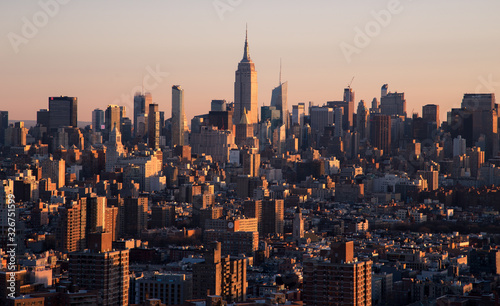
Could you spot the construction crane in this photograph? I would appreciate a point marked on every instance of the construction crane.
(349, 85)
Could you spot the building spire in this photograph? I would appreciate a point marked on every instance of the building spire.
(246, 53)
(280, 70)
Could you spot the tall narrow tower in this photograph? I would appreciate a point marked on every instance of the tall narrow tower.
(154, 127)
(245, 88)
(178, 122)
(279, 98)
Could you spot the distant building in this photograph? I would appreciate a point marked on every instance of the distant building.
(113, 117)
(298, 113)
(63, 112)
(430, 113)
(362, 120)
(478, 101)
(321, 117)
(279, 99)
(178, 116)
(98, 120)
(154, 127)
(115, 149)
(245, 88)
(141, 107)
(393, 103)
(380, 129)
(214, 142)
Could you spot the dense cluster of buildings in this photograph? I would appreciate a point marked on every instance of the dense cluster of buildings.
(332, 204)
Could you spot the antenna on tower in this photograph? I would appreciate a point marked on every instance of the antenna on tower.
(143, 83)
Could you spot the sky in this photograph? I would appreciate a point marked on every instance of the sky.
(102, 52)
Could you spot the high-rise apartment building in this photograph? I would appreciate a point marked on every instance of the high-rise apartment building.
(273, 212)
(72, 225)
(96, 214)
(154, 126)
(339, 280)
(135, 215)
(245, 88)
(178, 116)
(107, 272)
(219, 275)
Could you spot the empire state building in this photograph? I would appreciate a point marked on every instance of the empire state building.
(245, 89)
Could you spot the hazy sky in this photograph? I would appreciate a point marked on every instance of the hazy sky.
(101, 51)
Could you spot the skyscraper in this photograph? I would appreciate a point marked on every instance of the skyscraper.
(62, 112)
(393, 103)
(141, 107)
(113, 117)
(380, 129)
(321, 117)
(362, 116)
(178, 122)
(430, 113)
(245, 88)
(107, 272)
(298, 114)
(154, 127)
(279, 99)
(349, 108)
(479, 101)
(97, 119)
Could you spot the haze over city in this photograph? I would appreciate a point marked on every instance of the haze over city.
(100, 52)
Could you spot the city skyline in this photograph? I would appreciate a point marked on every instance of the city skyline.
(112, 57)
